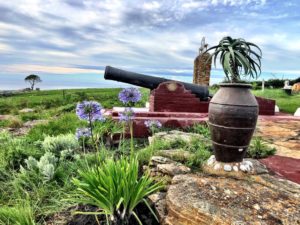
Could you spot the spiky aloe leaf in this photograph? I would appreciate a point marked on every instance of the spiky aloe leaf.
(237, 57)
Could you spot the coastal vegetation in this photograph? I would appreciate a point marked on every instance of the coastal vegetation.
(51, 171)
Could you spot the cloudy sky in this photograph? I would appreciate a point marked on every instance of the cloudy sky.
(82, 36)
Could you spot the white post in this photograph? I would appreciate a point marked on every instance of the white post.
(263, 85)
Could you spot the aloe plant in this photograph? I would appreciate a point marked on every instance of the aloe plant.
(237, 57)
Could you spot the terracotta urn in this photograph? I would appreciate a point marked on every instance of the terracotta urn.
(233, 113)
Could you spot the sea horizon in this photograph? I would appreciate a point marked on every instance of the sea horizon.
(80, 81)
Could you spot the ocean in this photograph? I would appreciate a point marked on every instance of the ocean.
(77, 81)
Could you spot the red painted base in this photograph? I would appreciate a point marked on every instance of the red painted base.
(173, 97)
(181, 120)
(286, 167)
(266, 106)
(167, 119)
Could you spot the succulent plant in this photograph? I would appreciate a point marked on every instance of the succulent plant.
(237, 57)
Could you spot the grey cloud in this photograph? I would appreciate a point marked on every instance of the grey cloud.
(75, 3)
(11, 16)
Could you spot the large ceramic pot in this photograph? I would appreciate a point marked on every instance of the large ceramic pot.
(232, 114)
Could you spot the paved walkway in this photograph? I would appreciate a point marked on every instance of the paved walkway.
(283, 133)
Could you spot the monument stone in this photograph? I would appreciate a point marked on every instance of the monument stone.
(202, 66)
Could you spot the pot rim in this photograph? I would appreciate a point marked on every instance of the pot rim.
(237, 85)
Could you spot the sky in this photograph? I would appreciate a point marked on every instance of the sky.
(83, 36)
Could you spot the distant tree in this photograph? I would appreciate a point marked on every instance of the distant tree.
(32, 79)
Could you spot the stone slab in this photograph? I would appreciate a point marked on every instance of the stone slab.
(283, 134)
(195, 200)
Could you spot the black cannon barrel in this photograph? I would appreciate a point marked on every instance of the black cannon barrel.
(150, 82)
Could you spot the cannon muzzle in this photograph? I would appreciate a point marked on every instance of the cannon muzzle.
(150, 82)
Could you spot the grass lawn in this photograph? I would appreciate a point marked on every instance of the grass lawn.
(286, 103)
(54, 99)
(47, 103)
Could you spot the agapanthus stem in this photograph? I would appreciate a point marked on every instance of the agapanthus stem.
(83, 147)
(131, 138)
(92, 132)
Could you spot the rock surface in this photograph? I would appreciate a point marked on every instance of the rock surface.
(161, 166)
(26, 110)
(175, 154)
(194, 200)
(174, 135)
(282, 134)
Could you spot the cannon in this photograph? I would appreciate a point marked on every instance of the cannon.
(151, 82)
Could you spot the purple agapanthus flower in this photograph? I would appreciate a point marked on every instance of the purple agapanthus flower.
(89, 110)
(83, 133)
(127, 115)
(130, 95)
(152, 123)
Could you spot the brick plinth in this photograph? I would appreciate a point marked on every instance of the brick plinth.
(266, 106)
(173, 97)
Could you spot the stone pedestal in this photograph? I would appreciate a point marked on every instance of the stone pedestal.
(234, 169)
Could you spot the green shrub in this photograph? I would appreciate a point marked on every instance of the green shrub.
(81, 96)
(18, 215)
(200, 151)
(115, 188)
(145, 154)
(30, 116)
(46, 190)
(259, 149)
(14, 151)
(15, 123)
(199, 129)
(45, 166)
(5, 107)
(4, 123)
(200, 154)
(65, 124)
(105, 131)
(66, 108)
(60, 143)
(51, 103)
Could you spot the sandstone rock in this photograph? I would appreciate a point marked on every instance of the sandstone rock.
(26, 110)
(159, 202)
(282, 134)
(191, 200)
(155, 160)
(161, 166)
(174, 135)
(33, 123)
(26, 127)
(175, 154)
(173, 169)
